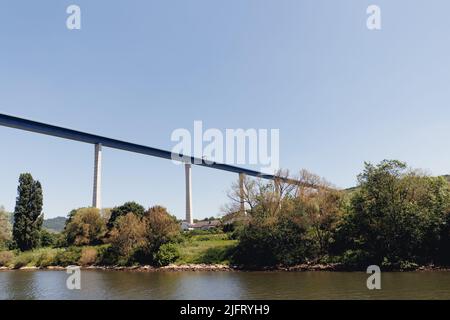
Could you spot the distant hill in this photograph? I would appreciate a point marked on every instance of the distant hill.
(55, 224)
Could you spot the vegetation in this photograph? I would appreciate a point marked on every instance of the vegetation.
(208, 249)
(395, 217)
(28, 213)
(5, 229)
(50, 239)
(54, 224)
(85, 227)
(123, 210)
(127, 237)
(167, 253)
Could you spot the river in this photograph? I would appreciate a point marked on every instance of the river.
(96, 284)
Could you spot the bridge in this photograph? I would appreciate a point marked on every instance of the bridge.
(99, 142)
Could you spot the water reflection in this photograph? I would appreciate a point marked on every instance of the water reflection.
(222, 285)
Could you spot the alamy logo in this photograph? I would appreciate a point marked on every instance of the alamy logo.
(73, 282)
(374, 281)
(73, 21)
(374, 20)
(237, 146)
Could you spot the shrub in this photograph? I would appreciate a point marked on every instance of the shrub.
(106, 256)
(354, 259)
(49, 239)
(6, 257)
(160, 228)
(217, 255)
(396, 217)
(5, 228)
(45, 258)
(127, 236)
(88, 256)
(85, 227)
(273, 241)
(67, 257)
(23, 259)
(167, 253)
(128, 207)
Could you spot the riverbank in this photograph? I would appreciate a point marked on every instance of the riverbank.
(223, 268)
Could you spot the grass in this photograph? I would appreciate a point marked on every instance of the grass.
(42, 257)
(207, 249)
(195, 249)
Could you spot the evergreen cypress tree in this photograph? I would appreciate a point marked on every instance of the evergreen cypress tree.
(28, 216)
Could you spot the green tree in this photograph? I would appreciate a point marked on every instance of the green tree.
(28, 215)
(168, 253)
(123, 210)
(127, 236)
(85, 227)
(5, 228)
(160, 228)
(274, 241)
(49, 239)
(395, 218)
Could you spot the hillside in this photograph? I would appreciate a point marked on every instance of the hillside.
(55, 224)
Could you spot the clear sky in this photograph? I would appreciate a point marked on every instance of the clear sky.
(339, 93)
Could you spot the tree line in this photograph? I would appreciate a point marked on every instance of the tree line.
(396, 217)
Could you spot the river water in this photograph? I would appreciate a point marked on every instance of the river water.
(97, 284)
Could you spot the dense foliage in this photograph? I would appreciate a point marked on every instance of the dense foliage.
(396, 218)
(123, 210)
(145, 238)
(5, 229)
(28, 213)
(86, 226)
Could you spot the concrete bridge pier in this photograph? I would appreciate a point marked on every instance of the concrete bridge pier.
(188, 177)
(97, 194)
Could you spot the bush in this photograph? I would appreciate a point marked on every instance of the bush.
(85, 227)
(268, 242)
(217, 255)
(88, 256)
(23, 259)
(396, 218)
(168, 253)
(160, 228)
(67, 257)
(49, 239)
(354, 259)
(5, 229)
(45, 258)
(6, 257)
(123, 210)
(106, 256)
(127, 236)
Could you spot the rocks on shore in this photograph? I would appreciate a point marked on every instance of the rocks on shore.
(212, 267)
(197, 267)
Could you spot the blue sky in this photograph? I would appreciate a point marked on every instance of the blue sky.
(339, 93)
